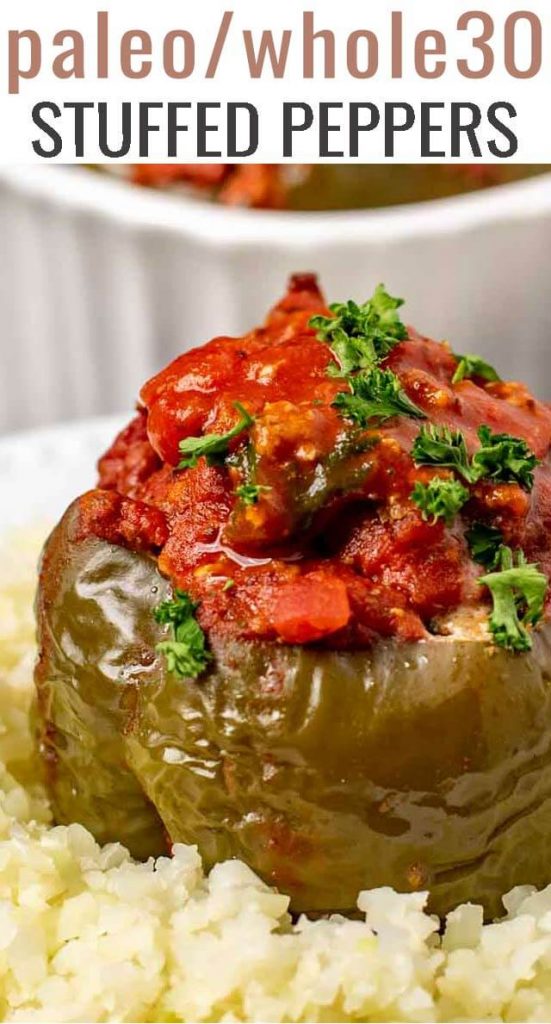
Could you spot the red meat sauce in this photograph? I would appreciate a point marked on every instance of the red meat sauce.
(254, 185)
(334, 551)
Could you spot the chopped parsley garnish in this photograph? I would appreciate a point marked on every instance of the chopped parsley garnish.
(360, 336)
(473, 366)
(504, 458)
(213, 446)
(440, 446)
(376, 395)
(518, 595)
(500, 457)
(440, 499)
(250, 493)
(186, 655)
(485, 543)
(228, 585)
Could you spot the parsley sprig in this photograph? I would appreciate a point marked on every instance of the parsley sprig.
(213, 446)
(250, 493)
(360, 336)
(473, 366)
(518, 595)
(440, 499)
(186, 654)
(485, 543)
(518, 588)
(504, 458)
(440, 446)
(376, 395)
(500, 457)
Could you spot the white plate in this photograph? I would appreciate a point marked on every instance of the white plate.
(41, 471)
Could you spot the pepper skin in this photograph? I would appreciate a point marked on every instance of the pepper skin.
(413, 764)
(96, 633)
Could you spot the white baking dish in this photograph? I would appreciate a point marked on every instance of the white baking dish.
(101, 283)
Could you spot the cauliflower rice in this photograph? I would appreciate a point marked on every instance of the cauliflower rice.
(87, 934)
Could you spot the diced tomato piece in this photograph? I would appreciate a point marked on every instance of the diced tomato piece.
(311, 607)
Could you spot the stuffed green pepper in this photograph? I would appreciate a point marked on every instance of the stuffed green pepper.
(303, 618)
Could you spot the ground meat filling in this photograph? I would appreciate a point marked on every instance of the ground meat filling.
(327, 546)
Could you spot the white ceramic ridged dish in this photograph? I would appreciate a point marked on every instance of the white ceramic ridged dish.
(101, 283)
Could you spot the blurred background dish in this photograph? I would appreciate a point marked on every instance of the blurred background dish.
(323, 187)
(103, 282)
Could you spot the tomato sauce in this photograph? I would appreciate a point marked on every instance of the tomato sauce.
(334, 551)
